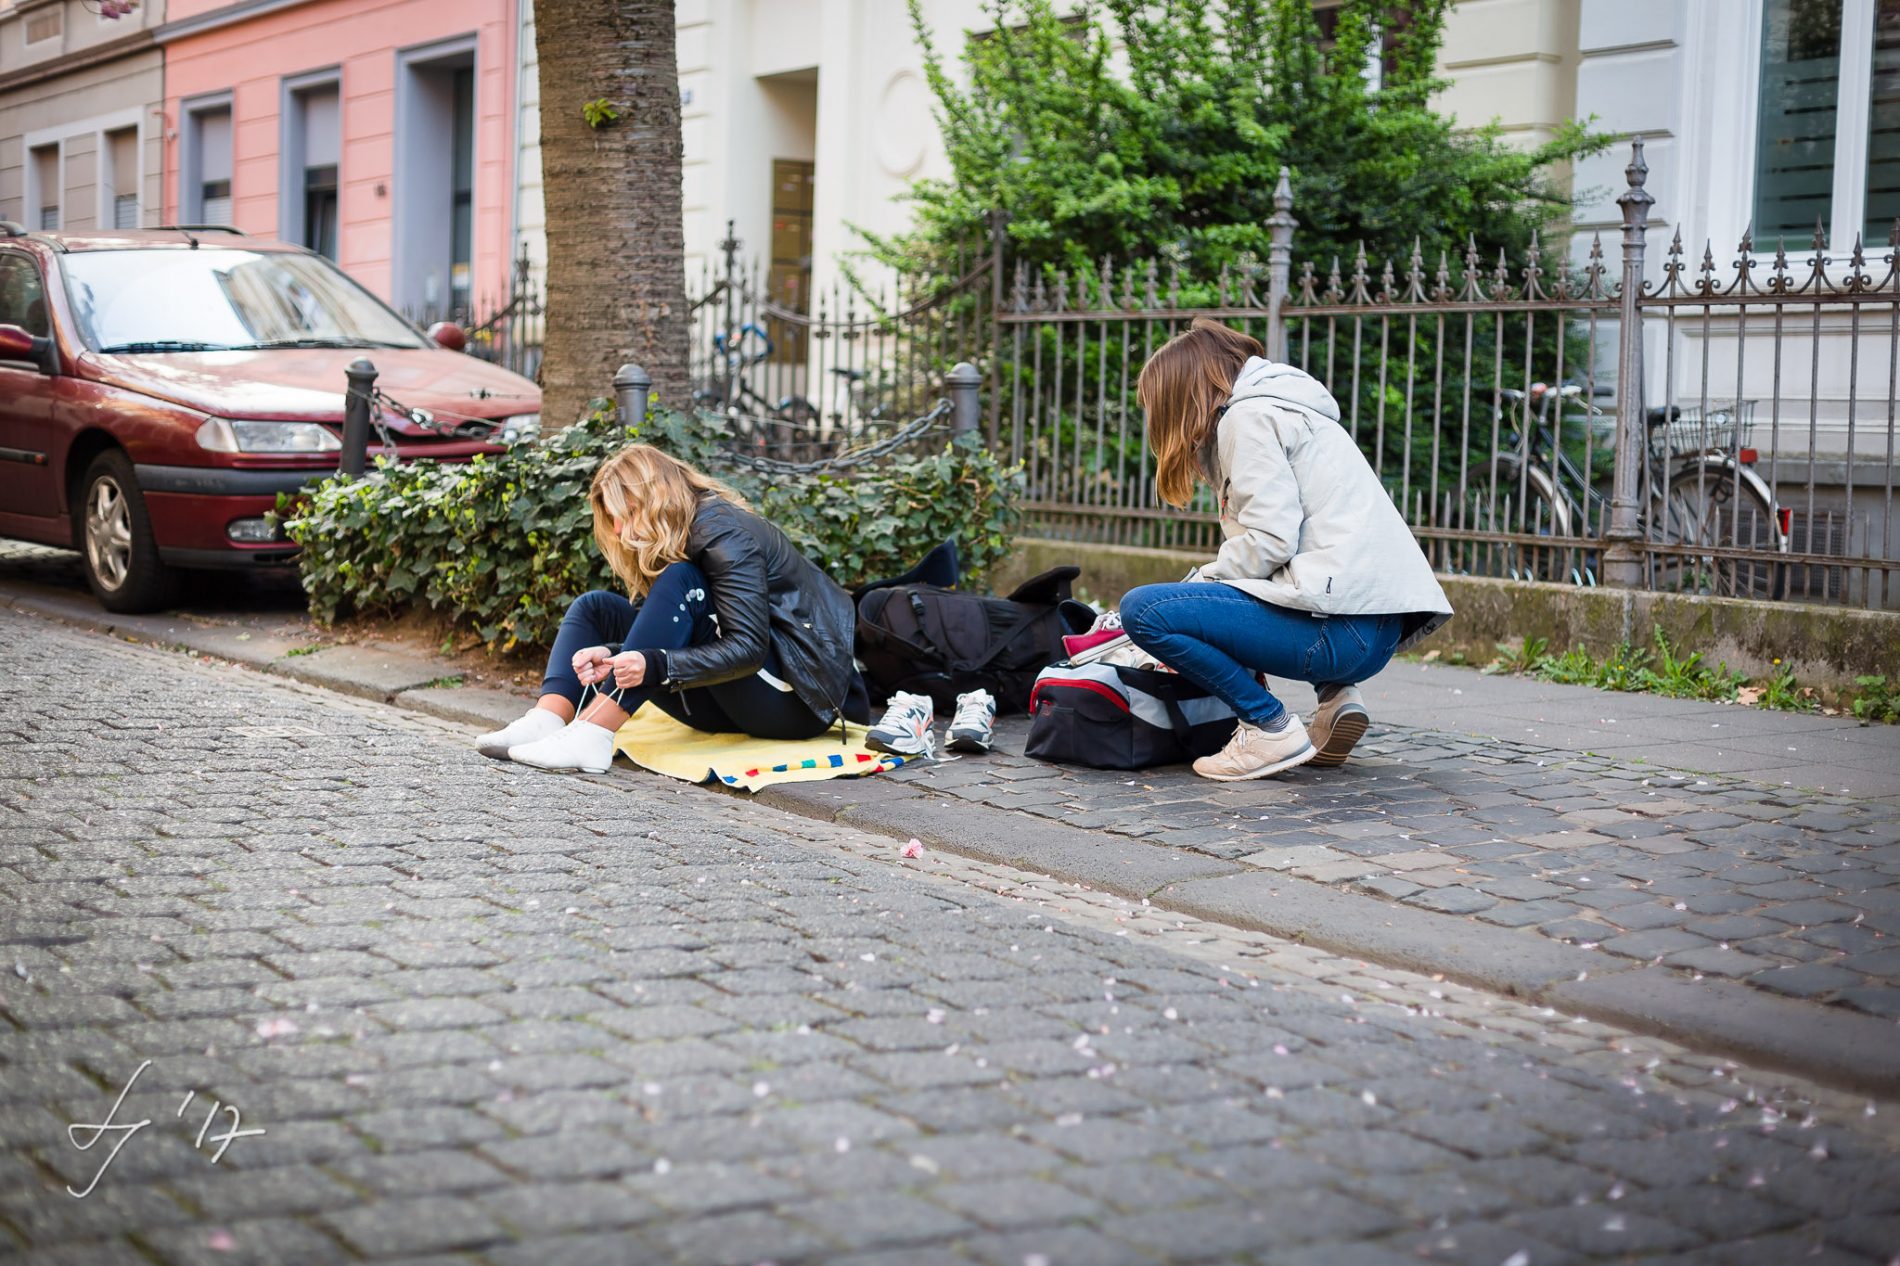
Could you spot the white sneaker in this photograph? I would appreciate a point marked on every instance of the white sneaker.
(538, 724)
(905, 729)
(579, 745)
(1256, 753)
(973, 728)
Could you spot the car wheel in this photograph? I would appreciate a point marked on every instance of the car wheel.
(115, 538)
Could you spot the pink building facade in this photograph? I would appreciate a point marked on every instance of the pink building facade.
(380, 132)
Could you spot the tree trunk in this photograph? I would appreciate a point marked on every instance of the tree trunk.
(616, 243)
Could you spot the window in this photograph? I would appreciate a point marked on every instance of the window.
(789, 281)
(1827, 148)
(48, 24)
(1378, 64)
(44, 166)
(205, 181)
(225, 298)
(122, 178)
(312, 146)
(22, 297)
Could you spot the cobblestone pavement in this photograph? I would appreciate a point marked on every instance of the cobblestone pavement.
(1797, 892)
(483, 1015)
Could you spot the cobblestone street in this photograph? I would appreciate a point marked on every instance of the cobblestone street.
(488, 1016)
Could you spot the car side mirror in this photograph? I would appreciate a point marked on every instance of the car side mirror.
(449, 335)
(17, 345)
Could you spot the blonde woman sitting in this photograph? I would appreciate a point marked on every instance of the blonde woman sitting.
(729, 628)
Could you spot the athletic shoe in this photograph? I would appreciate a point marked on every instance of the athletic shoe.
(1256, 753)
(579, 745)
(538, 724)
(905, 729)
(1337, 725)
(974, 726)
(1103, 637)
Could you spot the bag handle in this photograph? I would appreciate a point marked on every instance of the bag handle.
(1177, 718)
(1047, 589)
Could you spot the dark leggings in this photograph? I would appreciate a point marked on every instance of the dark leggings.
(675, 614)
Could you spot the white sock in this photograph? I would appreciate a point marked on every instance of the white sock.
(538, 723)
(580, 745)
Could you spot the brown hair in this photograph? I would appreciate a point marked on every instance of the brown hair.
(1182, 388)
(654, 497)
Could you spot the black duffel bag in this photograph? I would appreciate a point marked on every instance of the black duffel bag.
(942, 642)
(1106, 716)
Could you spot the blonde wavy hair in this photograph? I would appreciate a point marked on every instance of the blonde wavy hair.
(1182, 388)
(653, 497)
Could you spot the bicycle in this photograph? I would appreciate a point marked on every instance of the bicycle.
(775, 428)
(1700, 493)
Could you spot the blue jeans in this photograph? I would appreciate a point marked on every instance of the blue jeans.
(1218, 637)
(676, 614)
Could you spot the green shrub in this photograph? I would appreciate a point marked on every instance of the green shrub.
(503, 544)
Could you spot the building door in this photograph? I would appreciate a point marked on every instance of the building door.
(789, 279)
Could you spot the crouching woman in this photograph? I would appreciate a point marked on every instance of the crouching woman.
(728, 628)
(1318, 578)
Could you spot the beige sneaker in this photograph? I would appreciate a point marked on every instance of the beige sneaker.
(1338, 724)
(1256, 753)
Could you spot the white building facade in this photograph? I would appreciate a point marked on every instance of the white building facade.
(805, 120)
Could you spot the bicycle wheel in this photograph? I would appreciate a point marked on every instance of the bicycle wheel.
(1711, 503)
(1524, 503)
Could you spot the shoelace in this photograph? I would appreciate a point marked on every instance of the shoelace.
(911, 718)
(972, 712)
(1106, 620)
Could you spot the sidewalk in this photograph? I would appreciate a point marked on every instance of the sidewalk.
(1722, 876)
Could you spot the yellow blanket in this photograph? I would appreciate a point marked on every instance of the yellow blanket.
(653, 740)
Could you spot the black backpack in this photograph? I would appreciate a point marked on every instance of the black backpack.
(1106, 716)
(942, 642)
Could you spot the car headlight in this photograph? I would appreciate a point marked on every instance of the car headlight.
(520, 428)
(241, 435)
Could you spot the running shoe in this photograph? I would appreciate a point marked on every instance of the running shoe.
(973, 728)
(905, 729)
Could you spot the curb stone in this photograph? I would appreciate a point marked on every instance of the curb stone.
(1841, 1049)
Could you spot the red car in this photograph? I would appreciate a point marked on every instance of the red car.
(159, 388)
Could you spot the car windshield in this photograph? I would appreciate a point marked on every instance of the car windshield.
(171, 300)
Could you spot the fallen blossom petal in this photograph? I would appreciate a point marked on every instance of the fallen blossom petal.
(914, 849)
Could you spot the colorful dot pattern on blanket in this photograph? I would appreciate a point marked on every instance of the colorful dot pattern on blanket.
(655, 741)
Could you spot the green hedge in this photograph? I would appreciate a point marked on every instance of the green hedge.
(503, 544)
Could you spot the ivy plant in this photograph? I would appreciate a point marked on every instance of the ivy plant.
(501, 544)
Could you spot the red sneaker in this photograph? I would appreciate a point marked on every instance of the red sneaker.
(1103, 637)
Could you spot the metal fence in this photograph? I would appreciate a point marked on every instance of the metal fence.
(1752, 454)
(506, 330)
(845, 368)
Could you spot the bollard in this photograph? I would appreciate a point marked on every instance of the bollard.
(965, 382)
(358, 400)
(633, 392)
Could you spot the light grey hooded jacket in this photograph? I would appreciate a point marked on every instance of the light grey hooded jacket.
(1307, 524)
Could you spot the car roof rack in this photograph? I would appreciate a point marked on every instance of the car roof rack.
(203, 228)
(12, 228)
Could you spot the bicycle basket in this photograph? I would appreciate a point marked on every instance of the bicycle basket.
(1723, 426)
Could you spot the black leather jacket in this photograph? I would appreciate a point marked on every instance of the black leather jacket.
(766, 593)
